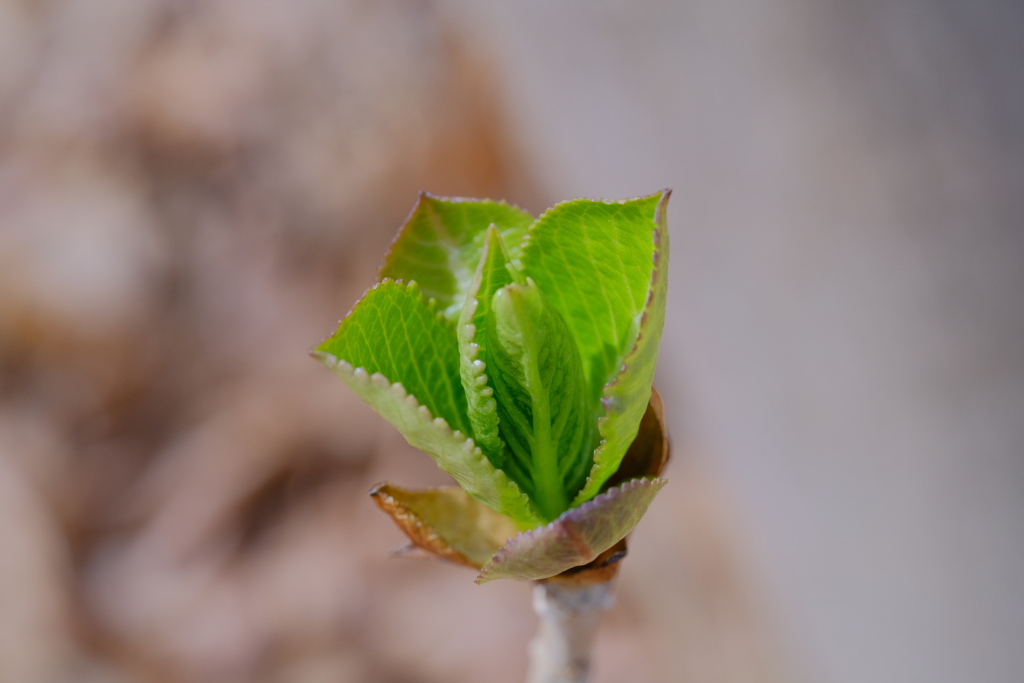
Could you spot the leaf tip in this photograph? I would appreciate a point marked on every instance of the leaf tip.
(663, 202)
(328, 359)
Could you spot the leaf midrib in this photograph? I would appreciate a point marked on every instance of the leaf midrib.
(547, 482)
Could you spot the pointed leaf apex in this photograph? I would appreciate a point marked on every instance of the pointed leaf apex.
(328, 359)
(439, 244)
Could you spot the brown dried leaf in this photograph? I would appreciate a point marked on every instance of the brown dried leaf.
(649, 452)
(446, 522)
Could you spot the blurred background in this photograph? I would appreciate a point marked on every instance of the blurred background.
(192, 193)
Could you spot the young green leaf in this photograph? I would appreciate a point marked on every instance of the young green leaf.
(543, 412)
(493, 273)
(625, 398)
(393, 331)
(393, 334)
(440, 245)
(603, 267)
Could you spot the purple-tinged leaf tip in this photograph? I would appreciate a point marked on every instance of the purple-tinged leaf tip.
(578, 536)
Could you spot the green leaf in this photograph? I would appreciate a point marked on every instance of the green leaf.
(440, 245)
(543, 412)
(603, 266)
(576, 537)
(395, 332)
(493, 273)
(401, 357)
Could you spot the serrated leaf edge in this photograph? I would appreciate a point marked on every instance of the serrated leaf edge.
(657, 483)
(592, 485)
(358, 378)
(411, 285)
(598, 200)
(420, 199)
(420, 532)
(477, 368)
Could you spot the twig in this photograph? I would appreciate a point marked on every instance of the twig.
(569, 616)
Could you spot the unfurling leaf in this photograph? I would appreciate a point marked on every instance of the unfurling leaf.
(392, 344)
(542, 404)
(493, 273)
(603, 265)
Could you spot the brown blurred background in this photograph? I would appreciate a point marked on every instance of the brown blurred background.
(192, 193)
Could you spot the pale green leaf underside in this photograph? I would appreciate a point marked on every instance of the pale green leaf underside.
(625, 398)
(440, 245)
(393, 331)
(492, 274)
(544, 416)
(455, 453)
(598, 263)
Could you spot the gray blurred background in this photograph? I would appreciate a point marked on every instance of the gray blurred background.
(192, 193)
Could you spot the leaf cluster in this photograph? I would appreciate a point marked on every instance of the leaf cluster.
(518, 353)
